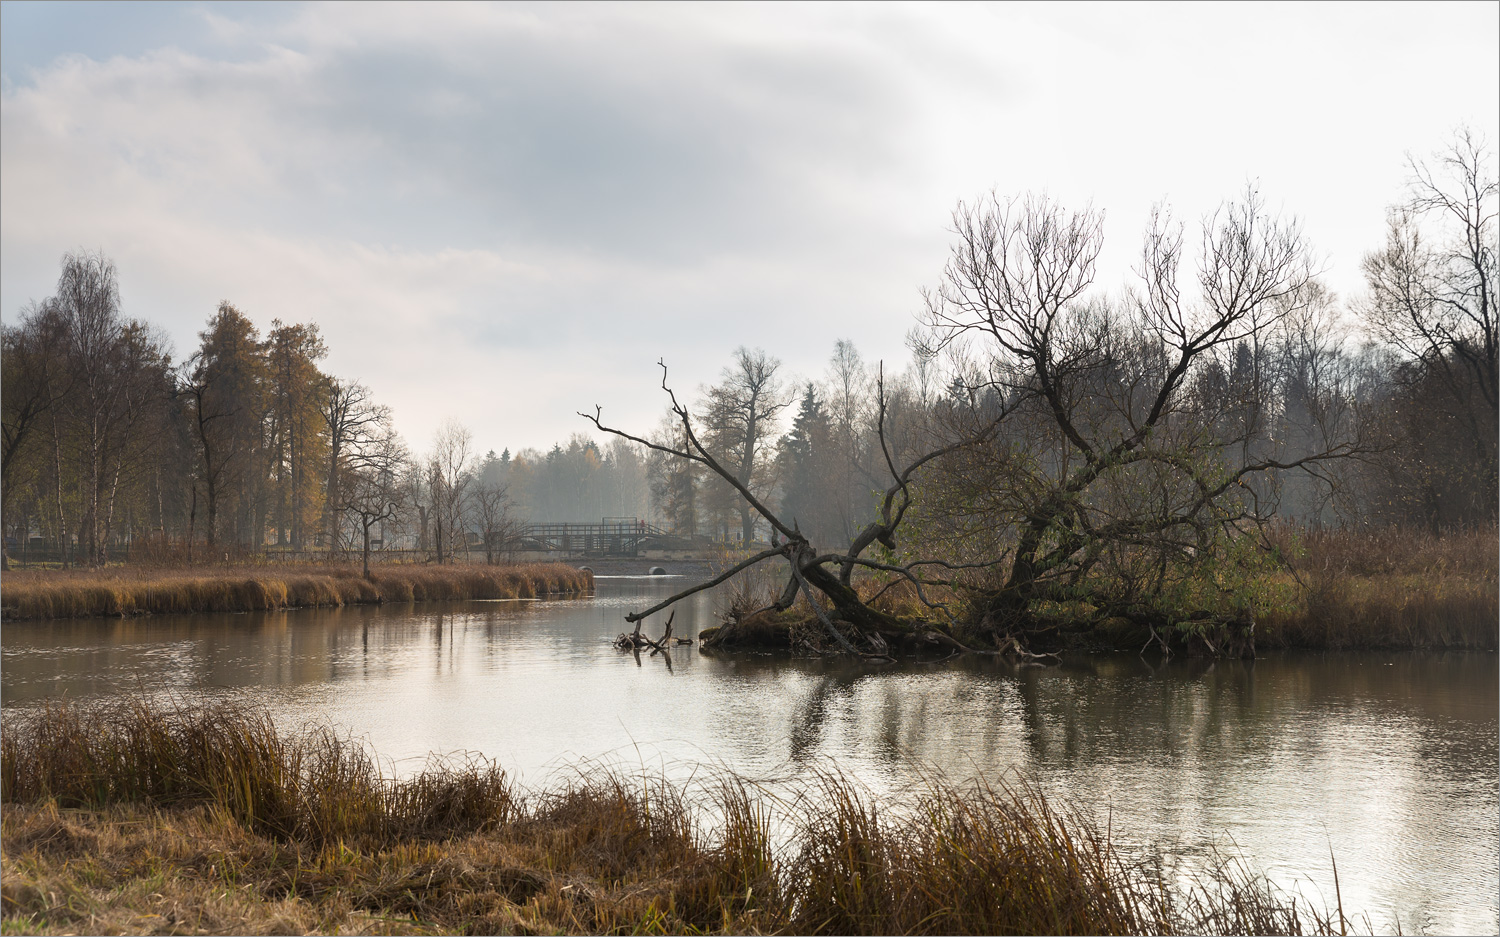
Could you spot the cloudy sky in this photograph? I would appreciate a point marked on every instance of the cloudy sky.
(507, 213)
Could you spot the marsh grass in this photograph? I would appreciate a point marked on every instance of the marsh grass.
(137, 817)
(122, 591)
(1388, 588)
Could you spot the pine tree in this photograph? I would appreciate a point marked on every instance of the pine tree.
(804, 452)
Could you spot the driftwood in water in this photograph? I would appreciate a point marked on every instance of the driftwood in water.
(635, 641)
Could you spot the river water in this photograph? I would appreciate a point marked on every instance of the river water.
(1386, 762)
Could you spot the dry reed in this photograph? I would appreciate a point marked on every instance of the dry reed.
(120, 591)
(134, 817)
(1388, 588)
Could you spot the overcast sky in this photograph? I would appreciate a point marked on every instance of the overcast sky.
(508, 213)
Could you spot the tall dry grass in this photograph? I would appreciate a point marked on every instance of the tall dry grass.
(988, 860)
(120, 812)
(133, 591)
(1388, 588)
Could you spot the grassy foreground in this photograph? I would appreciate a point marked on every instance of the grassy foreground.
(133, 591)
(142, 818)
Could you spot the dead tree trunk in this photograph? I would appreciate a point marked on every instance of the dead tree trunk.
(827, 574)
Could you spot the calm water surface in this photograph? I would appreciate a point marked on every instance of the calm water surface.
(1389, 761)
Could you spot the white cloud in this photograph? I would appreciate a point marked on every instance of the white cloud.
(507, 213)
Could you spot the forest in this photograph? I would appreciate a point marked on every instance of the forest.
(115, 449)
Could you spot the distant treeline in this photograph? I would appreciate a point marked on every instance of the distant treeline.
(247, 446)
(808, 446)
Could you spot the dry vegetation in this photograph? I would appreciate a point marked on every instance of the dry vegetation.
(1390, 588)
(134, 591)
(140, 818)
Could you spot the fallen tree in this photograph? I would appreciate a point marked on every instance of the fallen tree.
(1097, 462)
(852, 625)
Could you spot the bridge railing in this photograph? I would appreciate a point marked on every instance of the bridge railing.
(611, 536)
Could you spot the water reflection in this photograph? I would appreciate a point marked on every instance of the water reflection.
(1387, 759)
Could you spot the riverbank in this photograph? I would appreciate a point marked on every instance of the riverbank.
(1439, 611)
(1386, 589)
(139, 818)
(124, 591)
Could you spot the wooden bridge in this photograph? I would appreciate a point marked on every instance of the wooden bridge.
(612, 536)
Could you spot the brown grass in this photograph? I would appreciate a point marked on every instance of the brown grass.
(1339, 590)
(1392, 551)
(1389, 588)
(144, 818)
(117, 591)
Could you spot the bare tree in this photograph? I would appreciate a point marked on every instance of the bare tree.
(35, 380)
(674, 482)
(1432, 295)
(449, 472)
(847, 393)
(373, 488)
(86, 401)
(1113, 459)
(88, 296)
(142, 388)
(1437, 301)
(353, 421)
(491, 508)
(419, 497)
(742, 411)
(115, 369)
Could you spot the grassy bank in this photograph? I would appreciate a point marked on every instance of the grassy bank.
(142, 819)
(1329, 590)
(134, 591)
(1388, 588)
